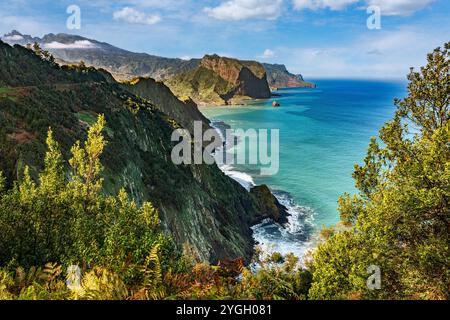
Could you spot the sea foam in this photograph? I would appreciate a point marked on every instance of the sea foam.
(293, 237)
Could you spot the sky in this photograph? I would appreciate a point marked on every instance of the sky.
(317, 38)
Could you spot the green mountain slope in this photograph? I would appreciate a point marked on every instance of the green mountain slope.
(220, 81)
(185, 112)
(123, 64)
(207, 213)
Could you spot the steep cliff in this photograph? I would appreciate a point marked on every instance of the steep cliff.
(220, 81)
(184, 112)
(269, 206)
(208, 214)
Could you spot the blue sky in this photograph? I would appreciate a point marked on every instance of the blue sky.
(318, 38)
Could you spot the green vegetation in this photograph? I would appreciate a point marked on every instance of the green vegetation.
(400, 220)
(9, 93)
(68, 203)
(218, 80)
(4, 91)
(179, 111)
(201, 84)
(118, 244)
(200, 207)
(87, 118)
(67, 219)
(27, 67)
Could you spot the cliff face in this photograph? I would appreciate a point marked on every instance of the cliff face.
(279, 77)
(269, 206)
(220, 81)
(207, 214)
(231, 69)
(184, 112)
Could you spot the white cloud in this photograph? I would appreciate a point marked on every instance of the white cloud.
(26, 24)
(388, 7)
(246, 9)
(322, 4)
(160, 4)
(80, 44)
(388, 54)
(15, 37)
(399, 7)
(267, 54)
(131, 15)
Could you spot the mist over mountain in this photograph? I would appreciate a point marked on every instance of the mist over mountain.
(123, 64)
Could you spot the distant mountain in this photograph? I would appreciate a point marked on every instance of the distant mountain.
(125, 65)
(279, 77)
(122, 64)
(218, 80)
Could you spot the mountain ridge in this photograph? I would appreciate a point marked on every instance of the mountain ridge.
(126, 65)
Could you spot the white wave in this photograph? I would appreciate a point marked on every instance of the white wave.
(296, 236)
(242, 178)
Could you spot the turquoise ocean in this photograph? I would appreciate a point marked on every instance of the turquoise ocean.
(323, 133)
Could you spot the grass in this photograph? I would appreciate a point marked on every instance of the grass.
(87, 117)
(6, 92)
(90, 119)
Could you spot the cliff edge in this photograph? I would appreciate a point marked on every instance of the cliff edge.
(222, 81)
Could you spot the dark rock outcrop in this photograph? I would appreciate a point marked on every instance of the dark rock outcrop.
(269, 206)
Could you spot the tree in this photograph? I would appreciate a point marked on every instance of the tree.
(37, 49)
(52, 178)
(400, 220)
(86, 163)
(66, 218)
(2, 182)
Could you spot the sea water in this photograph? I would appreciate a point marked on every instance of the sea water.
(323, 133)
